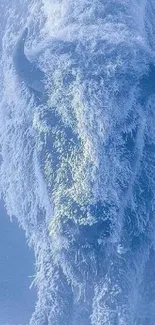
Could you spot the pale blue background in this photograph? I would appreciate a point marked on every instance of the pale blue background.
(17, 301)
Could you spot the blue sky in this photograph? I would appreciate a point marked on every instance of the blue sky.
(16, 266)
